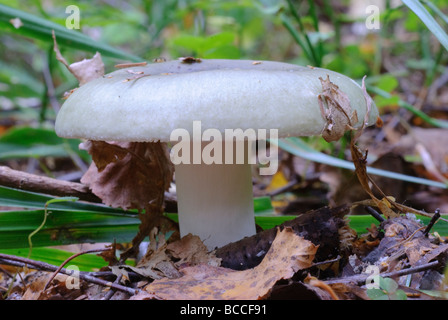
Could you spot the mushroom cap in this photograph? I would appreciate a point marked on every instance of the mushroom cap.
(147, 103)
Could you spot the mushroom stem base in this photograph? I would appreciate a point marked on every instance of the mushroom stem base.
(215, 202)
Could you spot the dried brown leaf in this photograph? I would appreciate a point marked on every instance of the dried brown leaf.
(132, 175)
(417, 248)
(103, 153)
(288, 254)
(338, 113)
(190, 250)
(58, 290)
(163, 260)
(128, 175)
(85, 70)
(360, 161)
(157, 266)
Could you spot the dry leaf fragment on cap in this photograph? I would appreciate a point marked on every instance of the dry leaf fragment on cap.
(288, 254)
(130, 65)
(16, 23)
(85, 70)
(190, 60)
(338, 113)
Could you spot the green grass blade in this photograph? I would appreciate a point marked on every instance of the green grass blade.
(359, 223)
(418, 8)
(28, 142)
(316, 60)
(296, 36)
(436, 10)
(39, 28)
(10, 197)
(432, 121)
(85, 262)
(299, 148)
(64, 227)
(70, 222)
(72, 226)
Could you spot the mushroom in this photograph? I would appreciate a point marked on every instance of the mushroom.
(150, 103)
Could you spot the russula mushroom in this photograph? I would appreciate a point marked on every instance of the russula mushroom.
(148, 103)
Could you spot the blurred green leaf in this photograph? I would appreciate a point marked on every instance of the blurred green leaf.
(388, 290)
(27, 142)
(387, 82)
(216, 46)
(419, 9)
(377, 294)
(20, 82)
(39, 28)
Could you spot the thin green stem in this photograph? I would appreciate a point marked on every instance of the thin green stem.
(432, 121)
(314, 58)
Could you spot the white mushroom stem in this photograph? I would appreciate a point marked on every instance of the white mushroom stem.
(215, 202)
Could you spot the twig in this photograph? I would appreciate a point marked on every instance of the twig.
(375, 214)
(68, 260)
(30, 182)
(360, 279)
(31, 264)
(90, 277)
(338, 258)
(111, 292)
(431, 223)
(35, 183)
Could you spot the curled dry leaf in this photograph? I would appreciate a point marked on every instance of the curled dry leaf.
(103, 153)
(360, 161)
(190, 250)
(288, 254)
(85, 70)
(387, 203)
(128, 175)
(132, 175)
(338, 113)
(163, 260)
